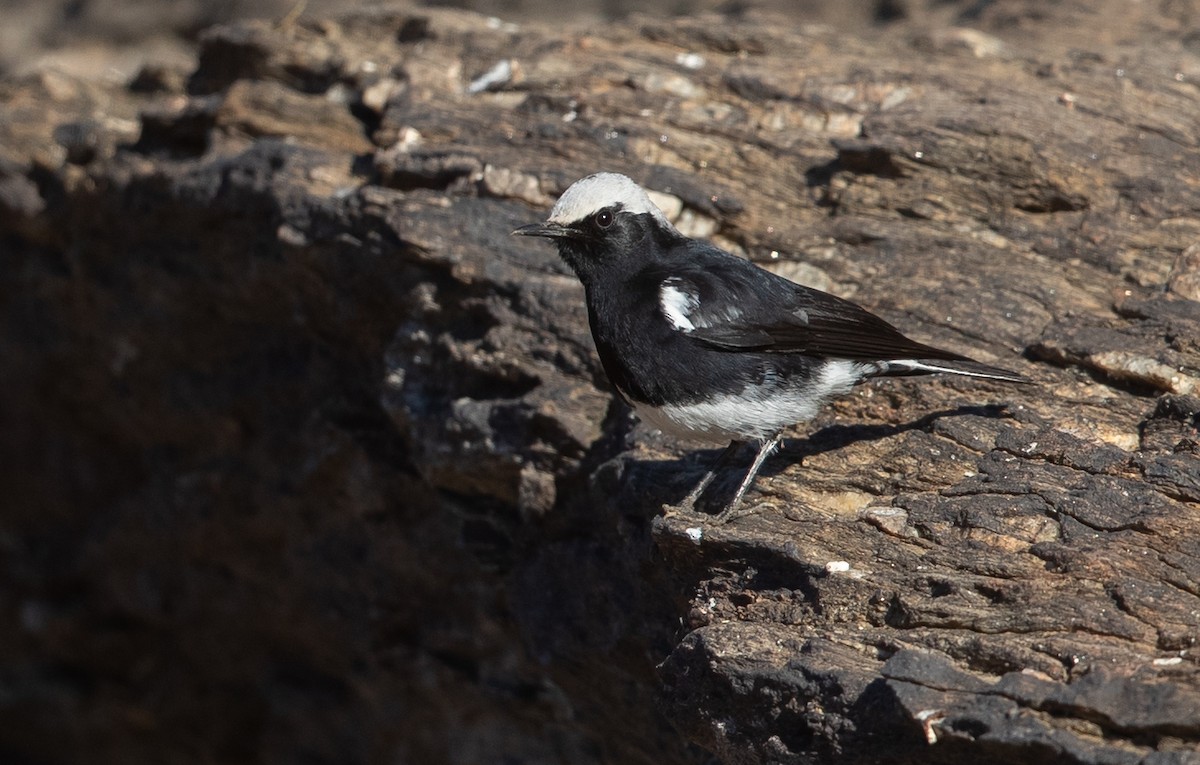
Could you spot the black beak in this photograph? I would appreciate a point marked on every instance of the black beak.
(548, 230)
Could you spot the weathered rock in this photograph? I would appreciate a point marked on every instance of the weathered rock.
(308, 459)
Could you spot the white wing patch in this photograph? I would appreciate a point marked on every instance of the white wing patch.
(588, 196)
(676, 303)
(728, 315)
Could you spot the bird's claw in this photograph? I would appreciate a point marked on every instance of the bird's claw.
(738, 511)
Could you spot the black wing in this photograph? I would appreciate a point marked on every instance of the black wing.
(738, 306)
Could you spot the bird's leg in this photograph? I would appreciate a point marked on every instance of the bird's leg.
(689, 502)
(765, 447)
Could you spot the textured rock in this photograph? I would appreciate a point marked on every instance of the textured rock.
(306, 458)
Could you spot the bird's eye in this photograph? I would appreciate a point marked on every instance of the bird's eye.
(603, 219)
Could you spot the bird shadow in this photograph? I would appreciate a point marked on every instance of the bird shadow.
(687, 470)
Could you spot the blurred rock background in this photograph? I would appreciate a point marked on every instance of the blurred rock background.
(113, 37)
(304, 459)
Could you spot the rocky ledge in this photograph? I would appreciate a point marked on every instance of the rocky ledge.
(307, 459)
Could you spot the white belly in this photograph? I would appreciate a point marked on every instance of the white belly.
(756, 412)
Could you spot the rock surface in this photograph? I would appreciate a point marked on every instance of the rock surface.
(307, 459)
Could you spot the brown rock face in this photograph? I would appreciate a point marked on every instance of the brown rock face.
(306, 459)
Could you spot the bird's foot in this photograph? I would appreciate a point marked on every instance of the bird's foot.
(685, 506)
(734, 512)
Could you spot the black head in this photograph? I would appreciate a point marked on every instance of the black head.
(601, 220)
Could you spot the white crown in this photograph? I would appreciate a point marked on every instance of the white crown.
(588, 196)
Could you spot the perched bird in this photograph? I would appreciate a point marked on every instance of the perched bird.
(706, 345)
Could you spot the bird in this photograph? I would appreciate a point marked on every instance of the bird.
(705, 345)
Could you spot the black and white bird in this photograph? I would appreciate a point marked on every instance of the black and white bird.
(705, 345)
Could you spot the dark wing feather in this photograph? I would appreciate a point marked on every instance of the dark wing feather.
(741, 307)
